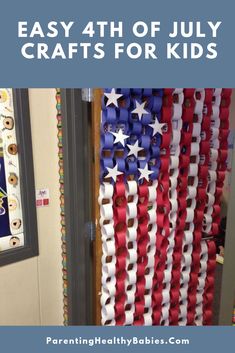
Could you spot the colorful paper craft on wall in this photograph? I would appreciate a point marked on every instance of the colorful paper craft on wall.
(163, 163)
(11, 222)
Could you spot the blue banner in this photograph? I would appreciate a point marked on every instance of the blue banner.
(116, 339)
(95, 44)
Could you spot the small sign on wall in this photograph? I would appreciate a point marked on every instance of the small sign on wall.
(42, 197)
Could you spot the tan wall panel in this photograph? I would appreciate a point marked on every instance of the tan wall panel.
(19, 299)
(45, 151)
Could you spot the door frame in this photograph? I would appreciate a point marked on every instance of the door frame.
(77, 196)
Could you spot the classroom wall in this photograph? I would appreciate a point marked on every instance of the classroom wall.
(226, 191)
(31, 290)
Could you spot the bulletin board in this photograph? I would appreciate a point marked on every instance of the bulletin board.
(18, 225)
(12, 226)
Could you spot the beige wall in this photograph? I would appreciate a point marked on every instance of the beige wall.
(31, 290)
(232, 127)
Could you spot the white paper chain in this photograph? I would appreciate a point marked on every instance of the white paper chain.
(173, 197)
(108, 279)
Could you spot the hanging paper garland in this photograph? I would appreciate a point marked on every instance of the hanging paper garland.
(61, 180)
(11, 221)
(162, 167)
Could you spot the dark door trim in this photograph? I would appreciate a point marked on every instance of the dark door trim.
(77, 194)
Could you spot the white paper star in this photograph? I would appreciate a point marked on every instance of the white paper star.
(134, 149)
(119, 137)
(144, 173)
(139, 109)
(113, 173)
(112, 97)
(157, 127)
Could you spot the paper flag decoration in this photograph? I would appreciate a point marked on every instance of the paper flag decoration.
(157, 265)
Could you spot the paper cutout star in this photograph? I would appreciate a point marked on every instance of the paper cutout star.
(113, 173)
(134, 149)
(157, 127)
(144, 173)
(119, 137)
(139, 109)
(112, 97)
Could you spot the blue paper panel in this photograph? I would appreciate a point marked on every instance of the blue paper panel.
(4, 212)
